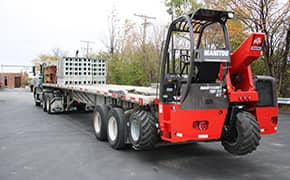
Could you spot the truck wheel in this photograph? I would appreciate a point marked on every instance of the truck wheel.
(244, 137)
(116, 128)
(44, 103)
(143, 131)
(35, 100)
(37, 103)
(48, 107)
(100, 124)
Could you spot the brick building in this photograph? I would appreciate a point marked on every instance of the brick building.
(13, 80)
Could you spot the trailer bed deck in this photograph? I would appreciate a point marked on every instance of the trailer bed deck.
(135, 94)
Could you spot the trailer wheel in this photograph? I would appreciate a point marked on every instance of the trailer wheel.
(99, 122)
(116, 128)
(37, 103)
(244, 137)
(35, 99)
(44, 103)
(48, 107)
(143, 130)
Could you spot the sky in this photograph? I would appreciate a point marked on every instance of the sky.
(31, 27)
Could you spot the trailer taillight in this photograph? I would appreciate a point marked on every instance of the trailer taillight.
(201, 125)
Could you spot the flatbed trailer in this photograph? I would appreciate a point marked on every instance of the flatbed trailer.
(102, 93)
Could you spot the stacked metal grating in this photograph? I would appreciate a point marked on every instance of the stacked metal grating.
(81, 71)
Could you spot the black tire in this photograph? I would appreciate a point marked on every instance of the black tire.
(48, 106)
(37, 103)
(44, 103)
(35, 100)
(244, 137)
(142, 130)
(117, 116)
(100, 122)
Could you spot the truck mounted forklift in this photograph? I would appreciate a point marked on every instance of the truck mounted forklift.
(207, 92)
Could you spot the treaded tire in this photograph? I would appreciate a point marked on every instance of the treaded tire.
(100, 125)
(44, 103)
(37, 103)
(48, 106)
(142, 130)
(246, 136)
(34, 97)
(117, 115)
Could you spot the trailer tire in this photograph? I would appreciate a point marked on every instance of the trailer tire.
(100, 122)
(44, 103)
(48, 107)
(37, 103)
(142, 130)
(35, 99)
(116, 128)
(244, 137)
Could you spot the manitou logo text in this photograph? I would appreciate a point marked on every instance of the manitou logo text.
(216, 53)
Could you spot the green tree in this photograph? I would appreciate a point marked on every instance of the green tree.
(135, 62)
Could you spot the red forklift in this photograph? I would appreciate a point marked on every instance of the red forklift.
(208, 91)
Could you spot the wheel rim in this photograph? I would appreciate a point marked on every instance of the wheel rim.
(112, 128)
(135, 130)
(97, 122)
(47, 104)
(43, 105)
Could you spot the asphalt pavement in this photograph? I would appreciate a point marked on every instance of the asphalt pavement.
(35, 145)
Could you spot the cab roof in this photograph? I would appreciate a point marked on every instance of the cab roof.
(200, 18)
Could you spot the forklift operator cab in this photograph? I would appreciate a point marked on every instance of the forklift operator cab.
(195, 60)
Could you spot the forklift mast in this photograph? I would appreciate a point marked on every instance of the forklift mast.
(196, 47)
